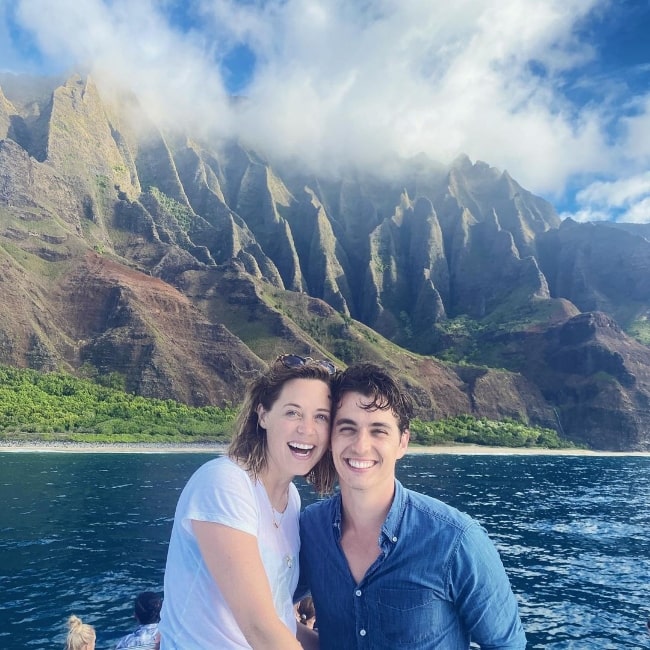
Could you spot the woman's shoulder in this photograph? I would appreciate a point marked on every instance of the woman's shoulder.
(222, 469)
(219, 483)
(220, 464)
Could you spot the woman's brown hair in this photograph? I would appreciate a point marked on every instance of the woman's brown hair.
(249, 444)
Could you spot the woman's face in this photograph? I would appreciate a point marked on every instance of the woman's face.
(297, 426)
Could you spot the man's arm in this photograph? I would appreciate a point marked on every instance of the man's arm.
(233, 559)
(483, 595)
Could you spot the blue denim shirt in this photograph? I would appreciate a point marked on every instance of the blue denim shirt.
(437, 583)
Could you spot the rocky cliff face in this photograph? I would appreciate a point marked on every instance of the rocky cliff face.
(187, 265)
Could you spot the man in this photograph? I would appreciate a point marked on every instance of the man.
(388, 567)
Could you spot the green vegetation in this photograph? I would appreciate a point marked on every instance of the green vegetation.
(59, 407)
(481, 431)
(464, 332)
(640, 330)
(182, 214)
(480, 341)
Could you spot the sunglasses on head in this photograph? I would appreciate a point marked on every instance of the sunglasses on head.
(294, 361)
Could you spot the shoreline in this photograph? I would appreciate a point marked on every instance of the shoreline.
(208, 448)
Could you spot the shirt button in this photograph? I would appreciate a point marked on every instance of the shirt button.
(357, 592)
(362, 633)
(394, 539)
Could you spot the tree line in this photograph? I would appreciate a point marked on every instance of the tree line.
(59, 407)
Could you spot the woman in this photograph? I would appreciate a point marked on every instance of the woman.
(232, 564)
(81, 636)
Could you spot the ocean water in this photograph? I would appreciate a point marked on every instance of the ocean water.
(84, 533)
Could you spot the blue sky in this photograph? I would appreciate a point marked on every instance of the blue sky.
(555, 91)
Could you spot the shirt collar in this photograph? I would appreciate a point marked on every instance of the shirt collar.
(390, 528)
(336, 502)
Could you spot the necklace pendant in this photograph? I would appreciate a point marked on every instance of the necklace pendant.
(276, 524)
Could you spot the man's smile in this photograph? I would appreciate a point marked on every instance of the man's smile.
(360, 464)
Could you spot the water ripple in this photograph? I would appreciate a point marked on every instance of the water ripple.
(83, 533)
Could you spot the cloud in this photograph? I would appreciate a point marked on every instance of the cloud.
(422, 76)
(337, 82)
(132, 45)
(626, 200)
(635, 144)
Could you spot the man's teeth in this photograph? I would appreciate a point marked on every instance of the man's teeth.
(360, 464)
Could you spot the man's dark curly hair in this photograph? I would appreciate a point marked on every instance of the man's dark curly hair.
(375, 383)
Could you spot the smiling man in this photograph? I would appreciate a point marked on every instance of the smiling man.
(388, 567)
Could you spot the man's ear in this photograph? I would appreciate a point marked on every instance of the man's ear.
(404, 438)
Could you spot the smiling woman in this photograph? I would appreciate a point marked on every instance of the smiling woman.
(233, 554)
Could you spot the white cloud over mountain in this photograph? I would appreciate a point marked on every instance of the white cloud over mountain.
(515, 83)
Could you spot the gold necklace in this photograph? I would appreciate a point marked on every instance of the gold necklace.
(288, 560)
(273, 513)
(277, 523)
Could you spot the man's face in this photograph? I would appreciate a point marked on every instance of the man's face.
(366, 444)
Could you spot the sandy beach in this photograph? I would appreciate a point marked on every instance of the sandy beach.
(161, 448)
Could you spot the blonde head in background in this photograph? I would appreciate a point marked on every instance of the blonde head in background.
(81, 636)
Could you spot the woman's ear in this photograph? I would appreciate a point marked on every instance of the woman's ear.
(261, 416)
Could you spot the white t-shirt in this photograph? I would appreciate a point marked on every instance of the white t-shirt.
(194, 613)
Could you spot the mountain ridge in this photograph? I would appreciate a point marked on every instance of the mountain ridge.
(187, 265)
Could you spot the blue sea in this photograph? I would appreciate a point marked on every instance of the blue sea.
(83, 533)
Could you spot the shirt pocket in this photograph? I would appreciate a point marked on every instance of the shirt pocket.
(411, 617)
